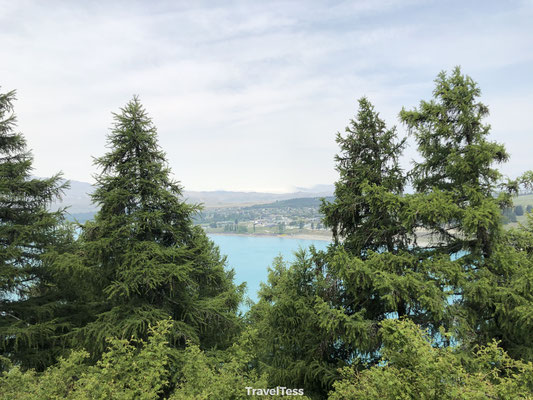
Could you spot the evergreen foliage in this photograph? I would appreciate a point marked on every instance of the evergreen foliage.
(30, 316)
(290, 344)
(129, 369)
(137, 369)
(457, 170)
(364, 214)
(221, 376)
(141, 259)
(497, 301)
(411, 367)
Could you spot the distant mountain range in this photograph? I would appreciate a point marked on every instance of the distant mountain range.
(78, 199)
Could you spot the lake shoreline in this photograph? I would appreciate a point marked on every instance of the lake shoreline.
(423, 238)
(304, 236)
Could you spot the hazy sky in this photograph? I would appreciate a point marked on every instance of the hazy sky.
(248, 95)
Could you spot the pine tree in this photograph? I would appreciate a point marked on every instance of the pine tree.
(291, 346)
(29, 319)
(142, 257)
(456, 177)
(460, 200)
(364, 214)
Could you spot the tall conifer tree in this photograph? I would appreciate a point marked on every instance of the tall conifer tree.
(28, 327)
(143, 257)
(457, 166)
(362, 216)
(460, 200)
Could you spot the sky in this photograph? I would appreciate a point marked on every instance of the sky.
(248, 95)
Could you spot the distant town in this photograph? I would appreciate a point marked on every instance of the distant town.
(285, 217)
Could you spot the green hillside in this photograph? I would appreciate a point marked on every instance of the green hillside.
(524, 201)
(293, 203)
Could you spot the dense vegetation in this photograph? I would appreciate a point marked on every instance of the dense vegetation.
(138, 303)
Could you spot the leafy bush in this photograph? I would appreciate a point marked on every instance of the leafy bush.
(412, 368)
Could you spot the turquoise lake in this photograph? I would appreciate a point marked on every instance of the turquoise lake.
(250, 256)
